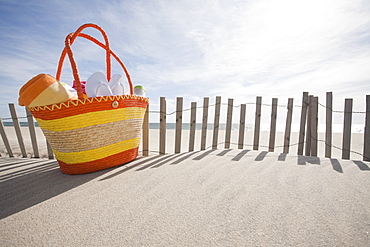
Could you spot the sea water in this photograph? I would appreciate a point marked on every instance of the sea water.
(280, 127)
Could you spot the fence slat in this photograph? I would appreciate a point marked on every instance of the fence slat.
(5, 139)
(329, 122)
(17, 128)
(346, 147)
(241, 126)
(50, 150)
(193, 123)
(288, 126)
(216, 122)
(257, 123)
(31, 127)
(229, 123)
(204, 124)
(273, 124)
(314, 126)
(179, 106)
(162, 126)
(308, 130)
(145, 140)
(302, 126)
(367, 131)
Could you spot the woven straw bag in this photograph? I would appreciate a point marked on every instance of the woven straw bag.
(91, 134)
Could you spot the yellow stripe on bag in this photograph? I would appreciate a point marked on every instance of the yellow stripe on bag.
(91, 118)
(92, 137)
(98, 153)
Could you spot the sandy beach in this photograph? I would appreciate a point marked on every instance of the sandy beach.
(356, 142)
(207, 198)
(223, 197)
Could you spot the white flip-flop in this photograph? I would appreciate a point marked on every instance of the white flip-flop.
(116, 84)
(103, 89)
(97, 85)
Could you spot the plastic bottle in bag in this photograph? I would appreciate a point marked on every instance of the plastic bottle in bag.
(139, 91)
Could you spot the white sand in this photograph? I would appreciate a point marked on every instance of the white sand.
(356, 142)
(208, 198)
(224, 197)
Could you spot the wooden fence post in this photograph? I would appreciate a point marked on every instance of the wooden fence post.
(346, 147)
(193, 123)
(302, 126)
(145, 140)
(288, 126)
(314, 125)
(329, 122)
(17, 128)
(273, 125)
(308, 131)
(5, 139)
(50, 150)
(162, 126)
(257, 123)
(216, 122)
(367, 131)
(179, 106)
(241, 126)
(204, 123)
(31, 127)
(229, 123)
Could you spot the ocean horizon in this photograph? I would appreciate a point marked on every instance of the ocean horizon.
(280, 127)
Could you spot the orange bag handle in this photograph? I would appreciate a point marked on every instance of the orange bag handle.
(86, 36)
(68, 50)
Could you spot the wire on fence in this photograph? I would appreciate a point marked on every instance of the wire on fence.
(237, 106)
(361, 112)
(10, 118)
(253, 103)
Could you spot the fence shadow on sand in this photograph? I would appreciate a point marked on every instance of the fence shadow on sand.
(28, 182)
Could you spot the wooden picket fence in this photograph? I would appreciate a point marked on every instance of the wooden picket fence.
(308, 133)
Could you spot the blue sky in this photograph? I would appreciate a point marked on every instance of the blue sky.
(234, 49)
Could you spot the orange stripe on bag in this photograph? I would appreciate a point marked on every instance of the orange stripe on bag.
(97, 165)
(87, 105)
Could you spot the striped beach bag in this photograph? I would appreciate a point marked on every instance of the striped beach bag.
(92, 134)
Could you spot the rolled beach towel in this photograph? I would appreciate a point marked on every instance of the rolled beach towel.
(43, 90)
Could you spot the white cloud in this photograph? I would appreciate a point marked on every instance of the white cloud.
(194, 48)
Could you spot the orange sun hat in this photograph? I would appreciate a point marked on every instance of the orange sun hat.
(43, 90)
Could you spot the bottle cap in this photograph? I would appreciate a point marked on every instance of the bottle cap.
(140, 87)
